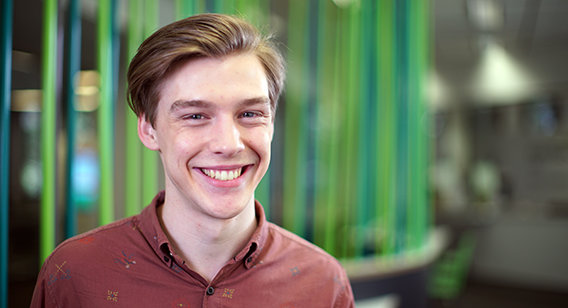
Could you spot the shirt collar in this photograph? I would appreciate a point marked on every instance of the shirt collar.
(254, 247)
(151, 228)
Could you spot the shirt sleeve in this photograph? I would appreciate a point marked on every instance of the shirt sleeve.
(41, 298)
(345, 297)
(345, 300)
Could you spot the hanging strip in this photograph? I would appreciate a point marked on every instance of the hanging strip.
(48, 128)
(150, 158)
(73, 66)
(133, 147)
(295, 120)
(5, 88)
(106, 113)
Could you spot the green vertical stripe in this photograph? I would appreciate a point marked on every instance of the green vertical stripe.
(5, 88)
(200, 6)
(328, 146)
(73, 66)
(369, 125)
(254, 11)
(150, 158)
(133, 148)
(184, 8)
(421, 27)
(115, 31)
(403, 105)
(417, 118)
(48, 125)
(336, 192)
(218, 6)
(333, 191)
(106, 113)
(386, 175)
(413, 172)
(366, 178)
(425, 160)
(294, 194)
(334, 221)
(322, 134)
(350, 100)
(179, 8)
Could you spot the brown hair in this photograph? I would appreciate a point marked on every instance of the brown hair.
(203, 35)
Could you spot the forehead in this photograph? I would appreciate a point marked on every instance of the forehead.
(229, 78)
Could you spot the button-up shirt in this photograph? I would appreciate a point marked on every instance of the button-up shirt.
(130, 263)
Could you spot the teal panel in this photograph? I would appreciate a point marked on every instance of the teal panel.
(5, 88)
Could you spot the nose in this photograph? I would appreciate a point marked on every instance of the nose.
(226, 138)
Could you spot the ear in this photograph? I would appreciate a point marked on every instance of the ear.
(147, 134)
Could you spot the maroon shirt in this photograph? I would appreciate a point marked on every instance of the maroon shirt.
(130, 263)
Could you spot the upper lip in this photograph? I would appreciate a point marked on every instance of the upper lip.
(225, 167)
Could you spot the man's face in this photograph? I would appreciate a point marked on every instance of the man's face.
(213, 129)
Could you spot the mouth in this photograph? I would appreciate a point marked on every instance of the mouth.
(224, 174)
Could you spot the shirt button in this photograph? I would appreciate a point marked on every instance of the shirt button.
(210, 291)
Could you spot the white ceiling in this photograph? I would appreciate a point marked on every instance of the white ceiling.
(534, 33)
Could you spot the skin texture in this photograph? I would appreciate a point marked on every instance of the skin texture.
(214, 115)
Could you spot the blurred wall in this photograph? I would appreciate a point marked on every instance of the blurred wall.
(501, 135)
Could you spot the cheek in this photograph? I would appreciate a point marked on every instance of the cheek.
(263, 143)
(179, 145)
(188, 147)
(265, 135)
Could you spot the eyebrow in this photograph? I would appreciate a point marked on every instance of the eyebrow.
(180, 104)
(261, 100)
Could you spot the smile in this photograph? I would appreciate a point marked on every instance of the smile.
(223, 175)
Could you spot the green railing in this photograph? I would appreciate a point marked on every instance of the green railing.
(350, 172)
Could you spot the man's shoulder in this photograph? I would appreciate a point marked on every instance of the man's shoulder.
(84, 267)
(312, 268)
(292, 244)
(93, 243)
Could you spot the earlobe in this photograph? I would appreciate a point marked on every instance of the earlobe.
(147, 134)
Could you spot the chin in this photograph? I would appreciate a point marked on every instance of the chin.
(227, 209)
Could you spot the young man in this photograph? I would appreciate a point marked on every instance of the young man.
(205, 91)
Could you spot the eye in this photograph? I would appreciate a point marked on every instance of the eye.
(194, 116)
(249, 114)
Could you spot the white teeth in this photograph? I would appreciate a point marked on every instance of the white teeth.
(223, 175)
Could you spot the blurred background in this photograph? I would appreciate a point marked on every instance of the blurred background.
(424, 143)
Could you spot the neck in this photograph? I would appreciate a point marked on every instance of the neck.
(206, 243)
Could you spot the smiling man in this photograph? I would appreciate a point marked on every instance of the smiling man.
(205, 91)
